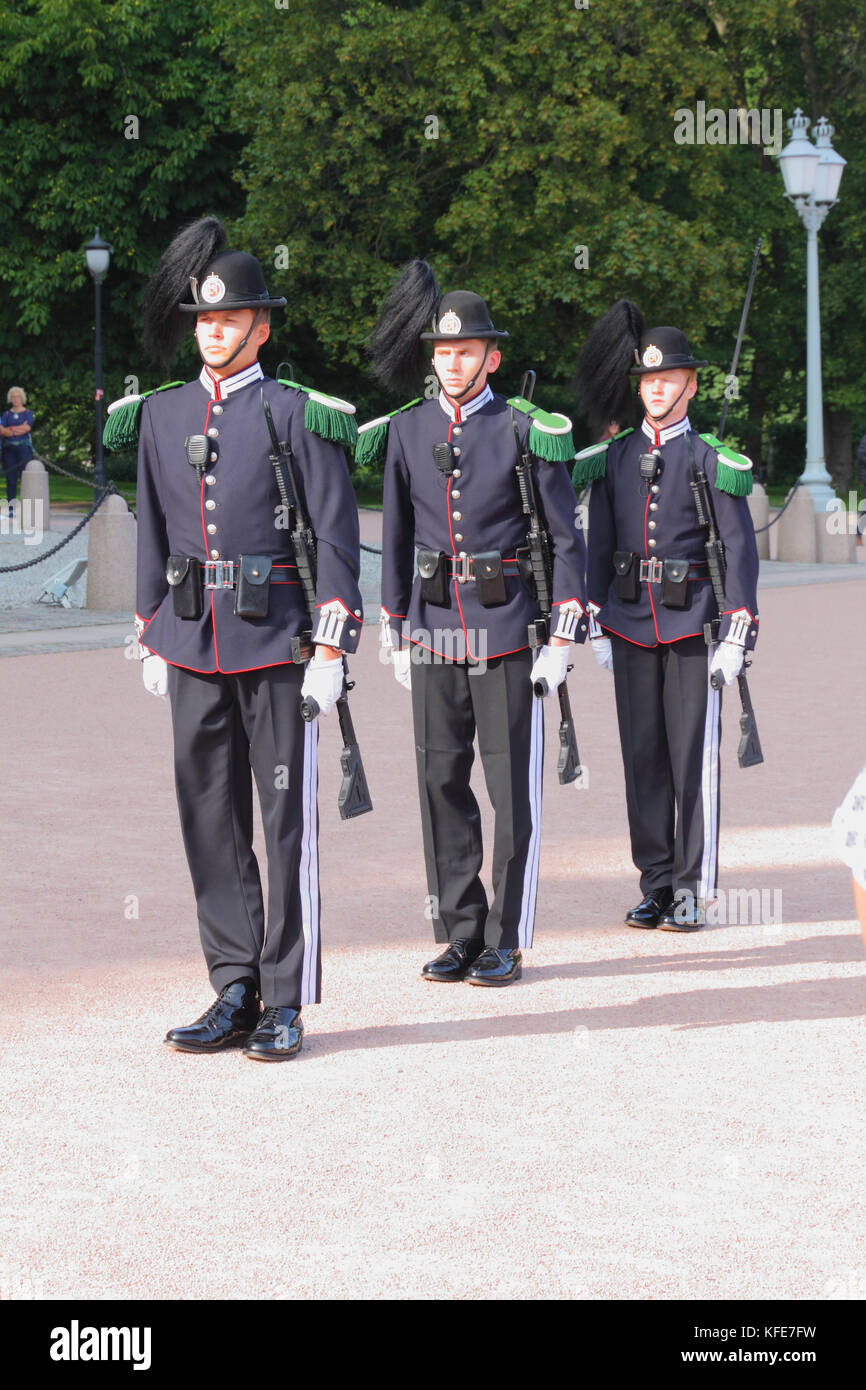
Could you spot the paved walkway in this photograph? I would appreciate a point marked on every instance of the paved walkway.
(642, 1117)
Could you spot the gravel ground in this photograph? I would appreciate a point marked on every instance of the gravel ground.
(639, 1118)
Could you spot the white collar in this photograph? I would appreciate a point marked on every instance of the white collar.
(670, 432)
(219, 389)
(454, 411)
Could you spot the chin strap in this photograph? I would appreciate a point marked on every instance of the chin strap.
(241, 345)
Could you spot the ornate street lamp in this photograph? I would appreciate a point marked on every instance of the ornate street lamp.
(812, 174)
(98, 255)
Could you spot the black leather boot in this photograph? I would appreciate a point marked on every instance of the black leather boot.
(648, 912)
(230, 1019)
(278, 1036)
(454, 961)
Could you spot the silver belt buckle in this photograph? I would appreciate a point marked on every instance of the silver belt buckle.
(651, 571)
(219, 574)
(461, 568)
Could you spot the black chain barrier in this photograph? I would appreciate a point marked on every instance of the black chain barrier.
(787, 503)
(46, 554)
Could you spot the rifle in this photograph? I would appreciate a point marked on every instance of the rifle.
(353, 798)
(538, 541)
(749, 752)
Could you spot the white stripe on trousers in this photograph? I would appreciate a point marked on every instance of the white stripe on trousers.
(309, 868)
(710, 790)
(526, 925)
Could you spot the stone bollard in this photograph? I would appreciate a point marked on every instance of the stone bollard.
(835, 536)
(35, 499)
(798, 532)
(111, 557)
(759, 507)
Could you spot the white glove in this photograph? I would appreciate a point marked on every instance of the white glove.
(323, 682)
(154, 673)
(603, 652)
(727, 658)
(403, 666)
(551, 666)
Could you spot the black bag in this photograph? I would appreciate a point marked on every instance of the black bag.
(254, 582)
(626, 580)
(675, 581)
(183, 573)
(490, 579)
(433, 569)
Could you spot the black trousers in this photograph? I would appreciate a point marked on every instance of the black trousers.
(451, 701)
(670, 724)
(227, 730)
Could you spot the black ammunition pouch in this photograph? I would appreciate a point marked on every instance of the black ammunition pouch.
(675, 578)
(490, 579)
(626, 579)
(433, 568)
(254, 582)
(183, 573)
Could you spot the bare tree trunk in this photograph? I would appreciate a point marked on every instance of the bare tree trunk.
(838, 447)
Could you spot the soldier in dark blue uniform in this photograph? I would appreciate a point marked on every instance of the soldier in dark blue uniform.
(221, 624)
(650, 595)
(457, 629)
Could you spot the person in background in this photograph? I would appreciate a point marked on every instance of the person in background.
(16, 425)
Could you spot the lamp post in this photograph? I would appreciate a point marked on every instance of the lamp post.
(98, 255)
(812, 174)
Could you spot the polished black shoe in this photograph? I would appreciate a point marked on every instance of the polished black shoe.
(454, 961)
(278, 1036)
(687, 915)
(495, 967)
(648, 912)
(229, 1021)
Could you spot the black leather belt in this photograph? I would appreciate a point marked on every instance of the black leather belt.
(652, 571)
(462, 567)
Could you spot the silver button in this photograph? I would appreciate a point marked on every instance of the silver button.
(214, 554)
(353, 632)
(651, 525)
(457, 430)
(652, 542)
(213, 432)
(456, 453)
(655, 487)
(255, 574)
(456, 473)
(210, 504)
(458, 537)
(209, 479)
(211, 529)
(454, 496)
(463, 555)
(458, 516)
(654, 506)
(754, 632)
(213, 458)
(357, 612)
(217, 410)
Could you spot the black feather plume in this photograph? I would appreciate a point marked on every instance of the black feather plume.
(604, 389)
(189, 254)
(399, 358)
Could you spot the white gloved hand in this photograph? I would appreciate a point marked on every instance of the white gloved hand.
(603, 652)
(403, 666)
(323, 682)
(154, 673)
(551, 666)
(727, 658)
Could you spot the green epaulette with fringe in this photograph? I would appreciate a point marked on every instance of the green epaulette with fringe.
(327, 416)
(122, 425)
(734, 471)
(373, 437)
(591, 463)
(549, 434)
